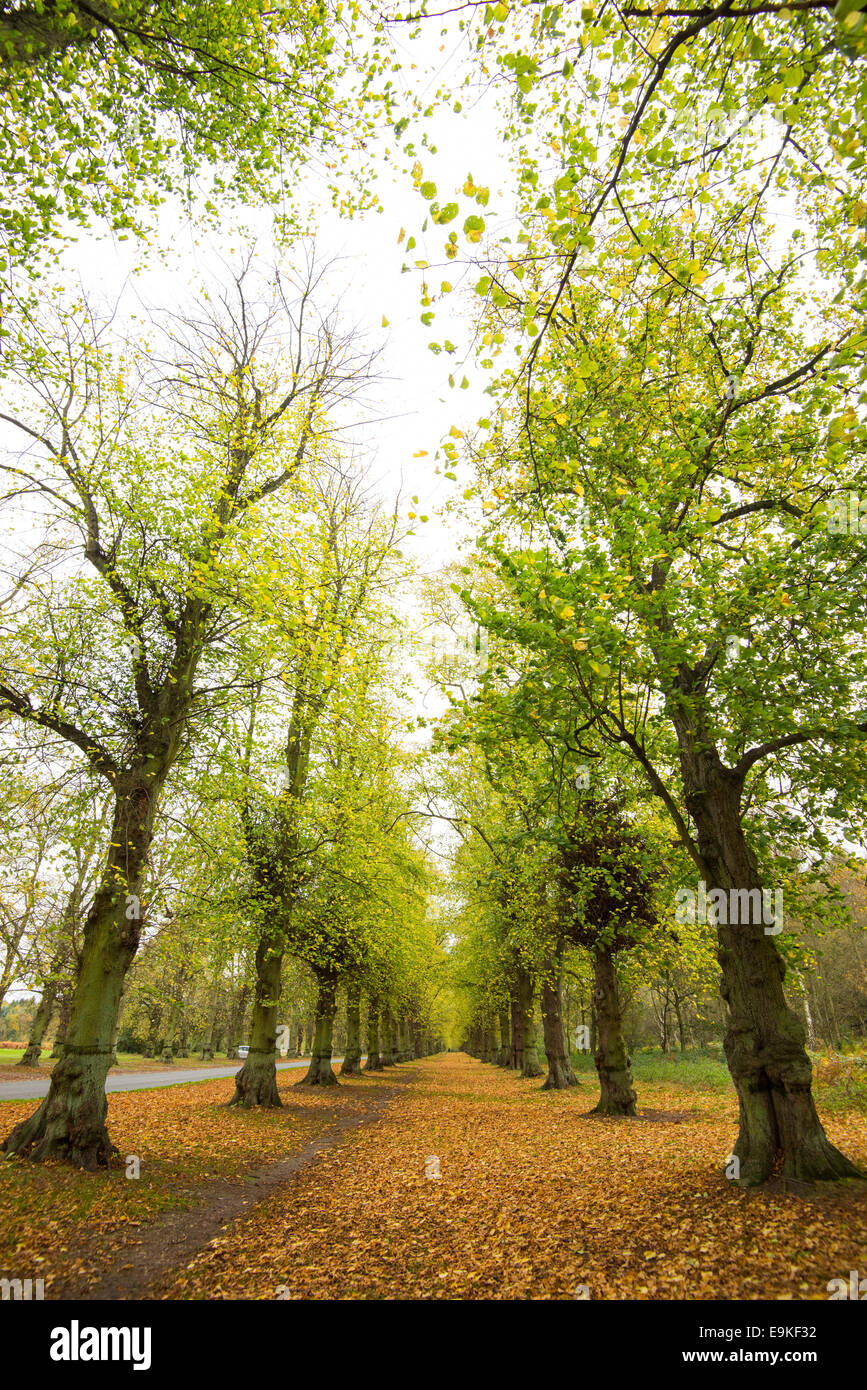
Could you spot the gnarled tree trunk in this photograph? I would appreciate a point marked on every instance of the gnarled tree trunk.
(560, 1074)
(527, 1001)
(70, 1122)
(617, 1096)
(256, 1082)
(764, 1041)
(319, 1073)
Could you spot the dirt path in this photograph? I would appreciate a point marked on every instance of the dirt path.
(151, 1252)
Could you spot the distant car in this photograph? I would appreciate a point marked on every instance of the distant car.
(243, 1050)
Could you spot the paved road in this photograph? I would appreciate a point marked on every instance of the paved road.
(137, 1080)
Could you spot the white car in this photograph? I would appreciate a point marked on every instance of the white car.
(243, 1050)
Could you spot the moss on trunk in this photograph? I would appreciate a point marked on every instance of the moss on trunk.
(256, 1082)
(617, 1096)
(529, 1025)
(560, 1074)
(765, 1039)
(320, 1072)
(70, 1123)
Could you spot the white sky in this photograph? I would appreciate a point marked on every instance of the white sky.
(414, 403)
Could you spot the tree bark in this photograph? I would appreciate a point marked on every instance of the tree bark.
(764, 1041)
(352, 1053)
(71, 1122)
(374, 1056)
(64, 1005)
(811, 1030)
(44, 1011)
(530, 1031)
(517, 1033)
(678, 1013)
(256, 1082)
(560, 1074)
(617, 1096)
(319, 1073)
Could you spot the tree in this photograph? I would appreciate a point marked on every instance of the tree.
(150, 475)
(681, 519)
(607, 883)
(331, 591)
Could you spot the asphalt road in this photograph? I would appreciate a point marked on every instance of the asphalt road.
(138, 1080)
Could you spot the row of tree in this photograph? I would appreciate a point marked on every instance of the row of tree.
(200, 651)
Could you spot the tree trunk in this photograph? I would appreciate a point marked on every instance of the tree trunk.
(374, 1056)
(811, 1030)
(612, 1063)
(319, 1073)
(208, 1039)
(517, 1034)
(64, 1006)
(236, 1020)
(678, 1013)
(39, 1026)
(115, 1034)
(527, 998)
(352, 1052)
(256, 1082)
(70, 1122)
(388, 1058)
(560, 1074)
(764, 1041)
(504, 1056)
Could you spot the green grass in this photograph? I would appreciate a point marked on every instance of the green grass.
(695, 1068)
(840, 1086)
(837, 1085)
(10, 1055)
